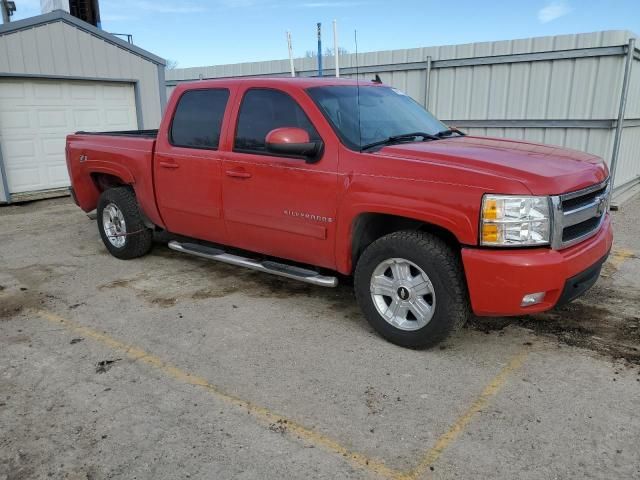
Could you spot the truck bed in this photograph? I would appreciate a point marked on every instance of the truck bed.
(95, 158)
(124, 133)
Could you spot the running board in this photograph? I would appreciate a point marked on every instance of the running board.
(267, 266)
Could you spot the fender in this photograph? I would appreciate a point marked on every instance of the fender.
(110, 168)
(86, 191)
(460, 222)
(143, 189)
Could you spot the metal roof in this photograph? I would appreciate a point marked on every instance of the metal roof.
(62, 16)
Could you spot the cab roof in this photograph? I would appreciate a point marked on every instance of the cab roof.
(299, 82)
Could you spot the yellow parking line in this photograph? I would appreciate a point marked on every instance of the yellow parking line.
(296, 429)
(490, 391)
(619, 256)
(261, 413)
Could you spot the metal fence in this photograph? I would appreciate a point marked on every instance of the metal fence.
(578, 91)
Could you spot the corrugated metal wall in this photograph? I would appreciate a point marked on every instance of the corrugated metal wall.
(629, 158)
(60, 49)
(562, 90)
(633, 102)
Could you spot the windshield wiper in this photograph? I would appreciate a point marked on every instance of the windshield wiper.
(448, 132)
(400, 138)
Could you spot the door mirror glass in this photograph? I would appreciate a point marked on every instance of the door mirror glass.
(292, 141)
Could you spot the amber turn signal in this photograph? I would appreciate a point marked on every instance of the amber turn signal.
(490, 232)
(490, 209)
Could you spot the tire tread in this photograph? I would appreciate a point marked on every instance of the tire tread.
(137, 244)
(448, 261)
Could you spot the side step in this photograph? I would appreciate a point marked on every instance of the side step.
(267, 266)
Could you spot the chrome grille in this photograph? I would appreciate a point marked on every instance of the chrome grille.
(578, 215)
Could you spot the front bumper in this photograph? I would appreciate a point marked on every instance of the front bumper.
(498, 279)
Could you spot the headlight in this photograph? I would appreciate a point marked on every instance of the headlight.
(513, 221)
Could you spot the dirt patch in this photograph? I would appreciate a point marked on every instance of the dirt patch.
(37, 274)
(14, 301)
(215, 293)
(279, 426)
(377, 401)
(15, 339)
(25, 287)
(163, 302)
(343, 300)
(182, 287)
(372, 400)
(184, 278)
(606, 320)
(104, 366)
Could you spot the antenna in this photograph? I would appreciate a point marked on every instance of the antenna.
(290, 47)
(355, 37)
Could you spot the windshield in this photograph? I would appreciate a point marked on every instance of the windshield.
(384, 112)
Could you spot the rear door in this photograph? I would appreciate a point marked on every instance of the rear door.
(188, 165)
(273, 204)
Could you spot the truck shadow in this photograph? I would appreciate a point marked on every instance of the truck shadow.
(194, 278)
(605, 320)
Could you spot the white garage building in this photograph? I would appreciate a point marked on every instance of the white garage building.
(59, 75)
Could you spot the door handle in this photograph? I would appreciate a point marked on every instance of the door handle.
(168, 165)
(238, 174)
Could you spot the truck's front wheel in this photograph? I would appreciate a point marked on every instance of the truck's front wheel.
(120, 224)
(410, 286)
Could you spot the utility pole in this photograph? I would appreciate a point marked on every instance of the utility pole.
(336, 50)
(319, 49)
(7, 8)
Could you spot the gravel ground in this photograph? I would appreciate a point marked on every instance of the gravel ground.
(171, 367)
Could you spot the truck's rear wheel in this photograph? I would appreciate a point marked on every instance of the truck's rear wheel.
(120, 224)
(410, 286)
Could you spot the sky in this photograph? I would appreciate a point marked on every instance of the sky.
(211, 32)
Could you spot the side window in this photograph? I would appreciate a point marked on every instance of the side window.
(263, 110)
(198, 118)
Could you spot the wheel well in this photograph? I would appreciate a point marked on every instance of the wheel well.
(369, 227)
(104, 181)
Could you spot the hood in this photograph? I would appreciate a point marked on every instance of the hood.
(543, 169)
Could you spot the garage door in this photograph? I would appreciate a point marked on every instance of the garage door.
(37, 115)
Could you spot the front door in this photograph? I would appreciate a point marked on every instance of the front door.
(278, 205)
(188, 166)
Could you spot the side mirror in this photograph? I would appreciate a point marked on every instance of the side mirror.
(293, 141)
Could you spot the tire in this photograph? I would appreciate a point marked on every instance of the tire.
(431, 274)
(118, 214)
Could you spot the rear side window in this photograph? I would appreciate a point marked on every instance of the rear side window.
(198, 118)
(263, 110)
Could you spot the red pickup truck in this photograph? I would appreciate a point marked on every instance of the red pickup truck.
(316, 176)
